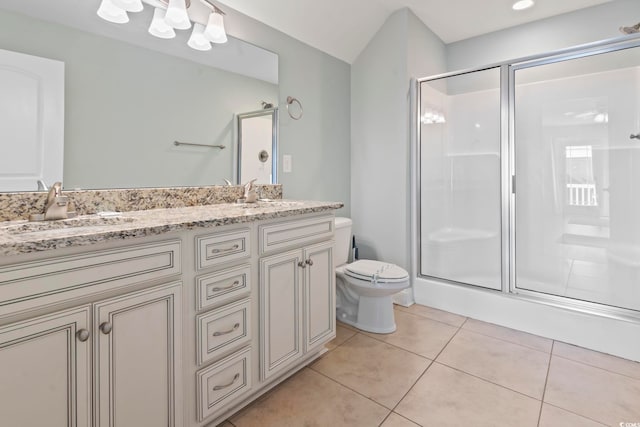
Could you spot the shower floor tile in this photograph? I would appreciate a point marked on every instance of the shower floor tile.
(486, 375)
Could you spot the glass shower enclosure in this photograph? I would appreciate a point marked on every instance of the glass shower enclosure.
(529, 177)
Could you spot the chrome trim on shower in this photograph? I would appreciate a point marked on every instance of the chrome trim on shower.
(508, 170)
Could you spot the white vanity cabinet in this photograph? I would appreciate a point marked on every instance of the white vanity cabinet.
(297, 291)
(45, 371)
(223, 319)
(137, 363)
(178, 329)
(114, 360)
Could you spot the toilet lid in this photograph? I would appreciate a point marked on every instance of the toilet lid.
(366, 269)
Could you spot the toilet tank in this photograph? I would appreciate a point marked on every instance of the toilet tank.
(343, 241)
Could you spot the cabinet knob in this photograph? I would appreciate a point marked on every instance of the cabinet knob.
(309, 262)
(302, 264)
(106, 328)
(82, 335)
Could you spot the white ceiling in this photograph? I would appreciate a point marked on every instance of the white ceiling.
(342, 28)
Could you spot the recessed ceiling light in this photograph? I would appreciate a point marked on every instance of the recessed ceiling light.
(522, 4)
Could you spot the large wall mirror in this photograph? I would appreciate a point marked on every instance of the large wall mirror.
(128, 95)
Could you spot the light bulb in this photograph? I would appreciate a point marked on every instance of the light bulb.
(112, 13)
(159, 27)
(215, 28)
(177, 16)
(197, 40)
(129, 5)
(522, 4)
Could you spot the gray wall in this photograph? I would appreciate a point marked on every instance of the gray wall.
(380, 111)
(570, 29)
(125, 105)
(319, 142)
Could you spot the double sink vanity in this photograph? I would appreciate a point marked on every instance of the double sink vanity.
(161, 317)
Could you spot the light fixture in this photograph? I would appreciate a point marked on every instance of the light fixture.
(173, 14)
(215, 28)
(522, 4)
(197, 40)
(158, 27)
(112, 13)
(129, 5)
(177, 16)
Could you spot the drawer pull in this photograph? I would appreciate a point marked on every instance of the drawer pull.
(232, 248)
(309, 262)
(302, 264)
(217, 334)
(216, 289)
(222, 387)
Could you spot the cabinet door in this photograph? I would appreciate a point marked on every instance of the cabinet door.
(44, 371)
(319, 295)
(138, 359)
(280, 304)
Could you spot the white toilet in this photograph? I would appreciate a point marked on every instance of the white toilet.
(364, 288)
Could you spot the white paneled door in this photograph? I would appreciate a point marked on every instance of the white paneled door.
(31, 121)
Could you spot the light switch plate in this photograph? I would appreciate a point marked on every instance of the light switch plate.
(287, 163)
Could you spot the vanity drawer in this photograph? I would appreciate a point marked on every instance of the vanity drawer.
(223, 330)
(284, 235)
(54, 280)
(223, 382)
(222, 286)
(218, 248)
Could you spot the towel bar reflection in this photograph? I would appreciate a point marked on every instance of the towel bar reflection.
(222, 147)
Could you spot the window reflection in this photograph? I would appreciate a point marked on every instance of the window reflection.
(581, 185)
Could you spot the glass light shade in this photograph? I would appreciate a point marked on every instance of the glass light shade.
(159, 27)
(197, 40)
(215, 29)
(177, 16)
(522, 4)
(129, 5)
(112, 13)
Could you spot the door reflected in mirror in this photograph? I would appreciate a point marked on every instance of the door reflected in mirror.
(257, 146)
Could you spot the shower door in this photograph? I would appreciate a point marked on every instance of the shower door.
(459, 184)
(577, 168)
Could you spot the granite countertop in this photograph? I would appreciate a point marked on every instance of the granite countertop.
(21, 237)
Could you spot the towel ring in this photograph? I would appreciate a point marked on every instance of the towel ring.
(291, 100)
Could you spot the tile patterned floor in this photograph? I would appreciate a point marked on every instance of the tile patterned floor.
(440, 369)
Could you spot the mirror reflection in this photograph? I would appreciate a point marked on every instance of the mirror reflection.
(258, 146)
(129, 96)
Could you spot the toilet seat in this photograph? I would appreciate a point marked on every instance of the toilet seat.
(376, 271)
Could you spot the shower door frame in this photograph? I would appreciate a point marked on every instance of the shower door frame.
(508, 181)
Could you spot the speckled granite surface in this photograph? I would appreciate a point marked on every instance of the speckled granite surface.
(20, 237)
(16, 206)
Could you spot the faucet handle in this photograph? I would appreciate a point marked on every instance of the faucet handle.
(54, 192)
